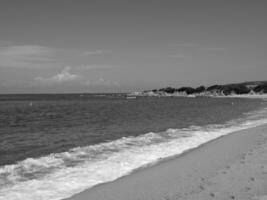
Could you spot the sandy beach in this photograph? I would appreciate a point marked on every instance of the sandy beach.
(231, 167)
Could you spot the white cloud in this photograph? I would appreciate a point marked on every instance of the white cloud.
(36, 56)
(98, 66)
(64, 76)
(24, 50)
(95, 52)
(102, 82)
(26, 56)
(196, 46)
(210, 49)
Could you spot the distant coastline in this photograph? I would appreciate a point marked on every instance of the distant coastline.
(244, 89)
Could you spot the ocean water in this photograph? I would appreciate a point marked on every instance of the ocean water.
(54, 146)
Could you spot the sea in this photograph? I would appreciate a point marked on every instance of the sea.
(53, 146)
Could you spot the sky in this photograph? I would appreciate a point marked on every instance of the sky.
(68, 46)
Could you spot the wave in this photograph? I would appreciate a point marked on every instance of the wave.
(61, 175)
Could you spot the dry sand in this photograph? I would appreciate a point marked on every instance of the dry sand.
(231, 167)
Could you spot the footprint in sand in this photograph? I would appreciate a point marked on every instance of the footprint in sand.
(252, 179)
(201, 187)
(212, 194)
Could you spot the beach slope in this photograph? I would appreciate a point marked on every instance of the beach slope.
(230, 167)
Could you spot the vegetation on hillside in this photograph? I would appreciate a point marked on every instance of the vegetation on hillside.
(258, 87)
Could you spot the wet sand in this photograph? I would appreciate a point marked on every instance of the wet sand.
(230, 167)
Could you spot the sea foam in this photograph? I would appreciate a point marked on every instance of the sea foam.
(61, 175)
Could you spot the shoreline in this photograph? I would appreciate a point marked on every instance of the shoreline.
(255, 96)
(249, 96)
(187, 176)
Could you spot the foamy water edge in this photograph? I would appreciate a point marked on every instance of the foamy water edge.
(61, 175)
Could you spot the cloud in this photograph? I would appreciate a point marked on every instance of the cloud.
(26, 56)
(64, 76)
(196, 46)
(210, 49)
(98, 66)
(36, 57)
(102, 82)
(24, 50)
(95, 52)
(67, 77)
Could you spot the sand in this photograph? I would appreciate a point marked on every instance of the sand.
(231, 167)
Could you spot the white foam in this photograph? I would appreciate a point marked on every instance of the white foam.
(61, 175)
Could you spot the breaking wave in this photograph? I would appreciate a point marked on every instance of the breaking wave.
(61, 175)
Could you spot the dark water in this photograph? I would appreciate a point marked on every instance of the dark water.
(36, 125)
